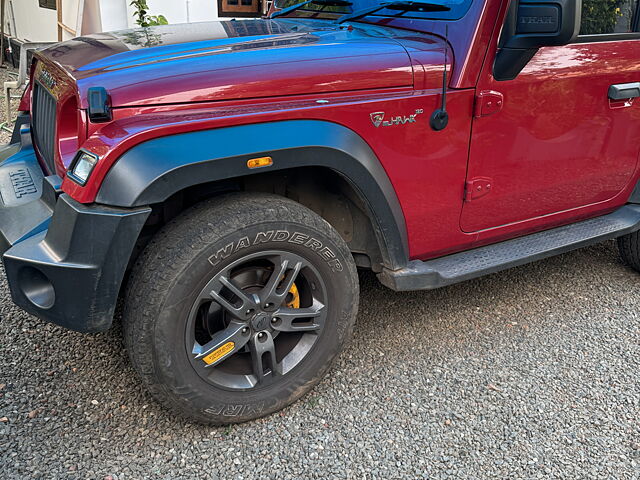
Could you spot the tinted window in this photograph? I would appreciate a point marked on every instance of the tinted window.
(607, 16)
(458, 9)
(327, 8)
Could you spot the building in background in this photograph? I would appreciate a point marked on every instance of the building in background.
(39, 21)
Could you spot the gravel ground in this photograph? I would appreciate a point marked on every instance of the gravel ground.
(7, 75)
(529, 373)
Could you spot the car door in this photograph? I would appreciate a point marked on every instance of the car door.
(552, 140)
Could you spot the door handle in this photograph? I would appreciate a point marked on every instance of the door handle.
(624, 91)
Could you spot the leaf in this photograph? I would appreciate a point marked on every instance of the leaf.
(157, 20)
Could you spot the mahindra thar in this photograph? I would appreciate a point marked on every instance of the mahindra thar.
(227, 179)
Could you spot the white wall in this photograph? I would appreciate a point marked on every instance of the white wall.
(32, 23)
(71, 16)
(36, 24)
(28, 21)
(180, 11)
(114, 14)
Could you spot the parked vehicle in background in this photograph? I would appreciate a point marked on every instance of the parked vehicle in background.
(229, 186)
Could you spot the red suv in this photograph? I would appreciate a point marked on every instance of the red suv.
(228, 178)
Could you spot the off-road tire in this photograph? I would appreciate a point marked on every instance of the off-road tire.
(629, 248)
(184, 256)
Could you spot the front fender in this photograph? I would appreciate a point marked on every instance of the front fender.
(154, 170)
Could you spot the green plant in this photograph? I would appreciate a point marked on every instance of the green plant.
(143, 18)
(605, 16)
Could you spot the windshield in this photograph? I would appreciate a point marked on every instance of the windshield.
(457, 9)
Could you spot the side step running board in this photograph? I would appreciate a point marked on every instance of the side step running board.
(474, 263)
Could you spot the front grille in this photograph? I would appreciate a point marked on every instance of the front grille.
(43, 123)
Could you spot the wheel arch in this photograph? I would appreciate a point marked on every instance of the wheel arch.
(154, 171)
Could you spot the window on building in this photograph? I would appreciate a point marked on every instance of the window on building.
(48, 4)
(239, 8)
(601, 17)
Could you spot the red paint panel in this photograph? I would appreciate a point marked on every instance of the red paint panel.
(212, 79)
(557, 144)
(427, 168)
(25, 101)
(270, 59)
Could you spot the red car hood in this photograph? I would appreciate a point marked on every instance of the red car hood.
(232, 60)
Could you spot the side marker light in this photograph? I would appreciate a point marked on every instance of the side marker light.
(260, 162)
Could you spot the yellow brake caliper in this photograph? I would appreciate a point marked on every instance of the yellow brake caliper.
(295, 300)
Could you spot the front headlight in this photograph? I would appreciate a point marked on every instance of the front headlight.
(82, 167)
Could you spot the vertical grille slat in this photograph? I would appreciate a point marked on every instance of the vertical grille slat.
(44, 124)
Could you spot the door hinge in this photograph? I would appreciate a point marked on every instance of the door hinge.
(488, 102)
(477, 187)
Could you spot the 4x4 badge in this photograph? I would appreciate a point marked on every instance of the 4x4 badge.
(377, 118)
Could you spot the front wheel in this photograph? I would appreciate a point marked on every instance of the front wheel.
(238, 308)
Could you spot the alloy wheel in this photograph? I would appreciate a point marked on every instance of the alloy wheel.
(256, 320)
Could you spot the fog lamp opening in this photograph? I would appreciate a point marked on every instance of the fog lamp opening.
(36, 287)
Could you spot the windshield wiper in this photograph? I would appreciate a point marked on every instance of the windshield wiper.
(324, 3)
(402, 5)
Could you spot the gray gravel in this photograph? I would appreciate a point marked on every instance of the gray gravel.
(5, 135)
(530, 373)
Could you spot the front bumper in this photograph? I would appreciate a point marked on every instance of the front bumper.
(64, 261)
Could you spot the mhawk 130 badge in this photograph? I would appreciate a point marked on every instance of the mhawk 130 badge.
(377, 118)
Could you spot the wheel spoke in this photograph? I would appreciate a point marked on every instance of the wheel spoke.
(286, 317)
(247, 304)
(287, 282)
(263, 358)
(247, 323)
(268, 292)
(223, 344)
(280, 282)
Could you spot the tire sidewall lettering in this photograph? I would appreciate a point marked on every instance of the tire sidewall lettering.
(296, 238)
(234, 410)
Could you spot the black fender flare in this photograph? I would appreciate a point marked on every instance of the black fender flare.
(152, 171)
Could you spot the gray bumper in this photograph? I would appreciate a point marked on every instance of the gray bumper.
(64, 261)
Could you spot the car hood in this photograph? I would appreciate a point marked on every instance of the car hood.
(232, 60)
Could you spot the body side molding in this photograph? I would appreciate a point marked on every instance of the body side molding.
(156, 169)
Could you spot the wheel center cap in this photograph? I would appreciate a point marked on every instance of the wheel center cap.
(261, 321)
